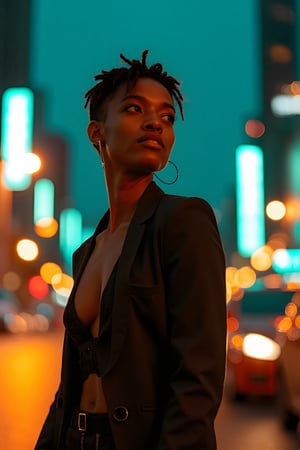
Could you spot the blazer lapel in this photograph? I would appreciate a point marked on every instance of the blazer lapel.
(145, 209)
(85, 252)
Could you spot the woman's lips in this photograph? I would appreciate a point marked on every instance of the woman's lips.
(151, 140)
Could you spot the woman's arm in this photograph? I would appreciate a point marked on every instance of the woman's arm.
(196, 302)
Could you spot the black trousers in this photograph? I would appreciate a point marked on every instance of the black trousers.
(95, 437)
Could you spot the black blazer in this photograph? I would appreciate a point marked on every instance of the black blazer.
(168, 343)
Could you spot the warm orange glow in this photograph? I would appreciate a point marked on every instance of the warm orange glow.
(62, 283)
(245, 277)
(293, 285)
(46, 227)
(48, 270)
(237, 341)
(292, 209)
(230, 273)
(278, 241)
(291, 310)
(29, 374)
(237, 293)
(232, 324)
(11, 281)
(27, 249)
(281, 54)
(297, 322)
(283, 324)
(228, 292)
(295, 88)
(262, 258)
(273, 281)
(275, 210)
(255, 128)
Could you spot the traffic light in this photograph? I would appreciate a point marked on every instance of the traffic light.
(16, 132)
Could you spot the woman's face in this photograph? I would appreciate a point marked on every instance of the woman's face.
(139, 128)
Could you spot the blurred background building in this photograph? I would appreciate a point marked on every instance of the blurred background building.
(238, 146)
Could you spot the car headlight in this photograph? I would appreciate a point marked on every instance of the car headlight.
(260, 347)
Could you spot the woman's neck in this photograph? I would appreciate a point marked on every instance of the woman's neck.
(123, 199)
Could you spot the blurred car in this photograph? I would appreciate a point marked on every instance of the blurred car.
(253, 358)
(252, 366)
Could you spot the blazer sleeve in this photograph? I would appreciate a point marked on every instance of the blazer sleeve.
(196, 300)
(46, 437)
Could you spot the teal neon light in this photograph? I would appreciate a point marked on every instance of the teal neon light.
(250, 199)
(16, 132)
(286, 260)
(43, 206)
(70, 233)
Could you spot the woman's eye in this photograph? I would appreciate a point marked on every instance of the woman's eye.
(170, 118)
(133, 108)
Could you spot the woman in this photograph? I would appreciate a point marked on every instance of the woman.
(144, 350)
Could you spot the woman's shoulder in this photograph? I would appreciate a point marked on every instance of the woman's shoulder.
(179, 203)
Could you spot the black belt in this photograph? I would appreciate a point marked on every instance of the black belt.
(90, 423)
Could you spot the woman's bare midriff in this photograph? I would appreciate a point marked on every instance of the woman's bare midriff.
(92, 398)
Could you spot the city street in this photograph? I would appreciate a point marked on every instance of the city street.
(29, 372)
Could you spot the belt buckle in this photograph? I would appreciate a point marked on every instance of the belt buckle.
(81, 421)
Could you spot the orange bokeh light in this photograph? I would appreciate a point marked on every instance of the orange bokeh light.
(245, 277)
(261, 259)
(255, 128)
(46, 227)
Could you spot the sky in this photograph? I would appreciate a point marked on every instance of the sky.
(213, 48)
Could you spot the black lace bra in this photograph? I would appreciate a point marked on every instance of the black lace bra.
(93, 352)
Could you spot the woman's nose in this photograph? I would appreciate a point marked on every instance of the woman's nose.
(153, 124)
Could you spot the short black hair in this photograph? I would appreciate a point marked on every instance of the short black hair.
(109, 81)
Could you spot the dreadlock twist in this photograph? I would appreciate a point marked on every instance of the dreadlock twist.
(108, 81)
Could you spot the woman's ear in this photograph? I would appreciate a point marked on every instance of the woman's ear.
(95, 133)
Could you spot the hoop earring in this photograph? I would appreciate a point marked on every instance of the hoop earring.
(100, 153)
(176, 174)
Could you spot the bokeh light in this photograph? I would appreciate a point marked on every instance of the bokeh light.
(31, 163)
(283, 324)
(261, 259)
(232, 324)
(297, 322)
(27, 249)
(273, 281)
(11, 281)
(37, 287)
(278, 241)
(48, 270)
(275, 210)
(255, 128)
(46, 227)
(291, 310)
(281, 54)
(245, 277)
(62, 284)
(295, 88)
